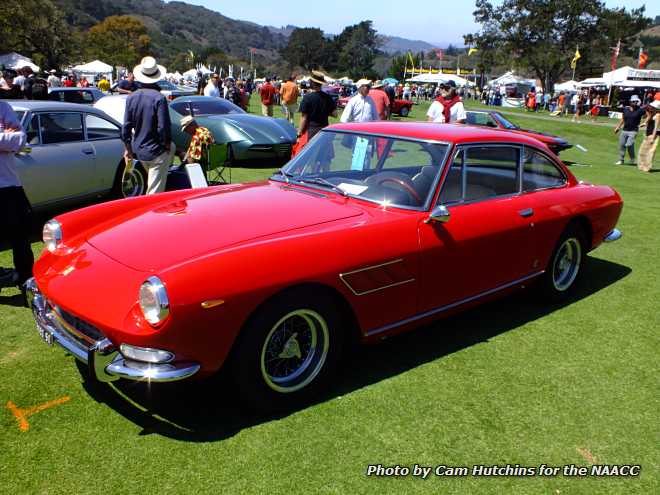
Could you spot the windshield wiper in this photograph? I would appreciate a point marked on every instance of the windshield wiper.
(286, 175)
(323, 182)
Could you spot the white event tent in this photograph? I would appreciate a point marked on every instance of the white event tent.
(633, 78)
(571, 86)
(439, 78)
(15, 60)
(511, 78)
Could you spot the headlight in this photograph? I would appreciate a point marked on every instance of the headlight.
(52, 235)
(153, 301)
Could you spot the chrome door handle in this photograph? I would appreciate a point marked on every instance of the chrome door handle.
(527, 212)
(88, 151)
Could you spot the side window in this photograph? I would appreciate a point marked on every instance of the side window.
(452, 187)
(87, 97)
(61, 128)
(490, 171)
(481, 172)
(539, 172)
(480, 118)
(32, 130)
(98, 128)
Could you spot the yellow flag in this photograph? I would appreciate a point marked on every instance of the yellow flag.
(575, 58)
(411, 59)
(471, 51)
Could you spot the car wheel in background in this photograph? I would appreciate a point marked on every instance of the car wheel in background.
(404, 111)
(129, 184)
(288, 351)
(566, 264)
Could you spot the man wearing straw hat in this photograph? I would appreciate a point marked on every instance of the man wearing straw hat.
(146, 132)
(315, 107)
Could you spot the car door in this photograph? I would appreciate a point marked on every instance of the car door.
(105, 136)
(486, 242)
(60, 165)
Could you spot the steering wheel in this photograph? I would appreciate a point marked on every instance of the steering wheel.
(403, 181)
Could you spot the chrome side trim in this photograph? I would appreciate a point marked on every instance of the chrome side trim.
(614, 235)
(212, 303)
(447, 307)
(359, 270)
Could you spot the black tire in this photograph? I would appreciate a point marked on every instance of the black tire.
(129, 186)
(404, 111)
(566, 265)
(288, 351)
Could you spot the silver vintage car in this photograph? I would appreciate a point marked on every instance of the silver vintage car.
(73, 153)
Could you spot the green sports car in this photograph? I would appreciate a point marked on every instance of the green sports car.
(251, 138)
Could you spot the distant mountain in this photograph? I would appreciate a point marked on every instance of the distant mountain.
(177, 26)
(395, 44)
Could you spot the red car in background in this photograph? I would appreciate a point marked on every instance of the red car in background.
(373, 229)
(400, 107)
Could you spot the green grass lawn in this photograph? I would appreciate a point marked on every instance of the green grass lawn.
(512, 382)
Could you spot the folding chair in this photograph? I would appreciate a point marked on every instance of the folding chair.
(217, 162)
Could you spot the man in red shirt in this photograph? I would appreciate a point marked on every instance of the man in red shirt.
(381, 100)
(267, 94)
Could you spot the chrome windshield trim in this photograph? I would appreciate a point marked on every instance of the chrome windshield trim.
(447, 307)
(389, 136)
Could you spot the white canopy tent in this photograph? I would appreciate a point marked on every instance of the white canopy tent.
(571, 86)
(633, 78)
(511, 78)
(15, 60)
(440, 78)
(592, 81)
(95, 67)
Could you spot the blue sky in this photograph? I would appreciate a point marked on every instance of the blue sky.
(434, 21)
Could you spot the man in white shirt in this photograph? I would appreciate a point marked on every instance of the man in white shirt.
(448, 107)
(360, 108)
(53, 81)
(212, 88)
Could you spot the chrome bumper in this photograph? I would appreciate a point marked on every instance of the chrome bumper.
(105, 362)
(614, 235)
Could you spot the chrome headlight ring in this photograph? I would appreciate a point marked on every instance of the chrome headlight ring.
(154, 303)
(52, 235)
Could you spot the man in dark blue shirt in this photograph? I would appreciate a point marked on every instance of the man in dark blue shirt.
(147, 133)
(128, 85)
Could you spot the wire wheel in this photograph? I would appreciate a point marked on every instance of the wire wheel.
(132, 183)
(566, 264)
(295, 350)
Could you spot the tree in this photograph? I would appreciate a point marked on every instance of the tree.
(542, 35)
(356, 48)
(306, 48)
(35, 28)
(118, 40)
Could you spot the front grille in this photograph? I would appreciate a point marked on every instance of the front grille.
(283, 149)
(88, 330)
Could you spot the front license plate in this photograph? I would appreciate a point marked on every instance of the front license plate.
(46, 336)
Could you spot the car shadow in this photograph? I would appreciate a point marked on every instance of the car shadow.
(209, 410)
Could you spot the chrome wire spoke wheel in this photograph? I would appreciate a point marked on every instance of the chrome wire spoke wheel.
(132, 184)
(295, 350)
(566, 264)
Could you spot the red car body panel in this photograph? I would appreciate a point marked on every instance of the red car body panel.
(244, 243)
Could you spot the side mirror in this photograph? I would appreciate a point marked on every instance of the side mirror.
(25, 150)
(439, 214)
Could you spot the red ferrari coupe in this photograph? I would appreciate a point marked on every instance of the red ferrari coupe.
(371, 230)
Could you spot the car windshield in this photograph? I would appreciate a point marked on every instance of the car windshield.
(217, 106)
(507, 124)
(389, 170)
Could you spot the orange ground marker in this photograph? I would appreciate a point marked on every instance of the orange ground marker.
(21, 414)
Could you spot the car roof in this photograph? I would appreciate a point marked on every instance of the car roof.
(54, 106)
(64, 88)
(449, 133)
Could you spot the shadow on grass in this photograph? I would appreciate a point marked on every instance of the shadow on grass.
(209, 410)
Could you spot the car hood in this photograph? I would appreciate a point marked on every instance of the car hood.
(262, 130)
(174, 231)
(543, 136)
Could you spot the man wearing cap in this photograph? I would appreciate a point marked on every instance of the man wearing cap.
(316, 107)
(381, 100)
(361, 107)
(201, 139)
(448, 107)
(630, 120)
(650, 142)
(146, 132)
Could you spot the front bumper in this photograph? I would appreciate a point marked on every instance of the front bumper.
(105, 362)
